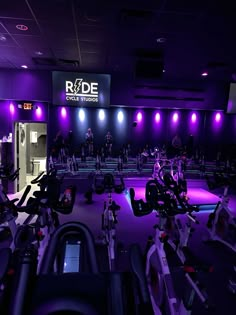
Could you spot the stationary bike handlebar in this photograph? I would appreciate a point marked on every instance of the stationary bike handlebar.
(18, 207)
(37, 179)
(42, 177)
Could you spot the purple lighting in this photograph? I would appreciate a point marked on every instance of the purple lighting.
(139, 116)
(204, 74)
(63, 112)
(217, 117)
(193, 117)
(175, 117)
(12, 108)
(157, 117)
(39, 112)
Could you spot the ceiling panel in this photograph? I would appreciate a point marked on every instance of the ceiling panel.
(187, 6)
(66, 54)
(51, 9)
(10, 25)
(7, 40)
(91, 46)
(14, 9)
(58, 27)
(110, 33)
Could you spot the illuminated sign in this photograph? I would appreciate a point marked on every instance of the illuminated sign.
(81, 89)
(26, 105)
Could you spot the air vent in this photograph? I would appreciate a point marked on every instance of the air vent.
(44, 61)
(167, 88)
(169, 98)
(68, 63)
(55, 62)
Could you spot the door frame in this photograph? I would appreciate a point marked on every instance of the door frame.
(16, 148)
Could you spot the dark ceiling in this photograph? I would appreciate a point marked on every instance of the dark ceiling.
(107, 36)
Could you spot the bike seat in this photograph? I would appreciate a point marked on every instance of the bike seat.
(140, 208)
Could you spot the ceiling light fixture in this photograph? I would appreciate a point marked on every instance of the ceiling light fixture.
(204, 74)
(24, 66)
(2, 38)
(161, 40)
(39, 53)
(22, 27)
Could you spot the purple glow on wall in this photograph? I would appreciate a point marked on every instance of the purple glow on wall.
(217, 121)
(12, 108)
(194, 118)
(217, 117)
(157, 117)
(175, 117)
(194, 122)
(64, 119)
(39, 112)
(139, 116)
(63, 112)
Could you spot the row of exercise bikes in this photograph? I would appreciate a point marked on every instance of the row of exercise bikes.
(166, 194)
(53, 269)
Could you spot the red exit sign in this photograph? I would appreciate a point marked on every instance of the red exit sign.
(27, 106)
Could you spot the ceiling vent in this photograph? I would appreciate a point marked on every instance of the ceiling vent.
(169, 98)
(44, 61)
(55, 62)
(68, 63)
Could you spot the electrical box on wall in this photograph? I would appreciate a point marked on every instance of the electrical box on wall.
(33, 136)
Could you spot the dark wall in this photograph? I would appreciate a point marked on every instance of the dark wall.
(207, 133)
(25, 85)
(125, 91)
(202, 94)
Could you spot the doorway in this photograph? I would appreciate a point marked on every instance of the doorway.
(30, 151)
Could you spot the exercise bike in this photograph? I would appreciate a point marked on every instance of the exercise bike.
(109, 221)
(222, 223)
(158, 274)
(70, 281)
(107, 183)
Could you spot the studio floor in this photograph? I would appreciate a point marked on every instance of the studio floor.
(131, 229)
